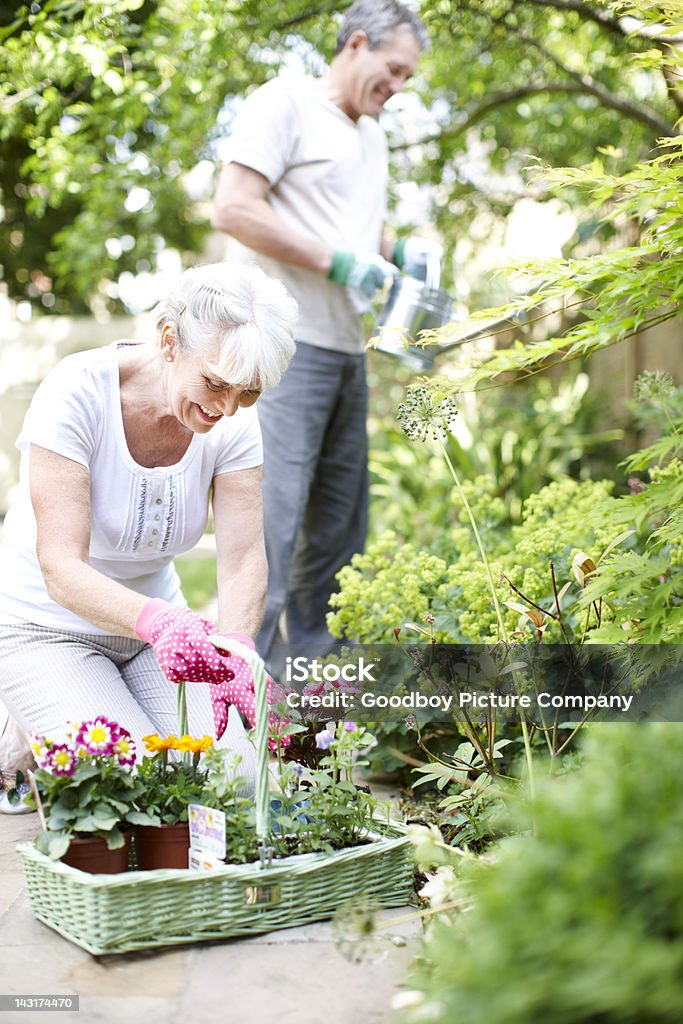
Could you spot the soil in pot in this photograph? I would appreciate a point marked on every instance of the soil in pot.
(92, 854)
(162, 846)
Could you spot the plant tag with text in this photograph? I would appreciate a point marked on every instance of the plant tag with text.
(207, 830)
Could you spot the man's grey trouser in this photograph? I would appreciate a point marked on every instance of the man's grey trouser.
(315, 490)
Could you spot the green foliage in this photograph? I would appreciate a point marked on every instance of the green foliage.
(522, 437)
(617, 292)
(170, 787)
(393, 582)
(313, 810)
(558, 914)
(470, 818)
(96, 800)
(100, 99)
(645, 588)
(321, 808)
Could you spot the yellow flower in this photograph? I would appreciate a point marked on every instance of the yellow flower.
(192, 744)
(39, 744)
(72, 731)
(153, 743)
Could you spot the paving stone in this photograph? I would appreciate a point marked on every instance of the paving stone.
(293, 976)
(275, 984)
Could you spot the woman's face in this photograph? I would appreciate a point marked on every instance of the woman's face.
(196, 396)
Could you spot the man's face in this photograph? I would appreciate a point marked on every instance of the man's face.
(374, 76)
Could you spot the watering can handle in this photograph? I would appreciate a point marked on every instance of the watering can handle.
(255, 663)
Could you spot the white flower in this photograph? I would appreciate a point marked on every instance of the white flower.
(407, 999)
(430, 848)
(441, 887)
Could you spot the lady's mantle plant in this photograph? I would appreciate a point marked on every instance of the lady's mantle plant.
(87, 786)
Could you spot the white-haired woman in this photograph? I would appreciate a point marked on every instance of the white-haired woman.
(121, 450)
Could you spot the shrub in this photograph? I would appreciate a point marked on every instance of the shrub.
(581, 922)
(391, 583)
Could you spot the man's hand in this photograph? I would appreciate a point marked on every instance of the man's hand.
(364, 271)
(414, 255)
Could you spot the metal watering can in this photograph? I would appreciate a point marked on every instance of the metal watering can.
(414, 306)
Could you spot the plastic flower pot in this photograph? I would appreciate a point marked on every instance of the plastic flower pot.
(92, 854)
(162, 846)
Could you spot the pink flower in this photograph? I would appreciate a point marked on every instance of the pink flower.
(124, 748)
(97, 737)
(62, 760)
(314, 688)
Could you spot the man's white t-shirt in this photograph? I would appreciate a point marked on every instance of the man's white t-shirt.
(328, 178)
(140, 517)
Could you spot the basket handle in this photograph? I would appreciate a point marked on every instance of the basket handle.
(258, 669)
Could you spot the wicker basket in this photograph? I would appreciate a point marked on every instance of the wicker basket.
(144, 909)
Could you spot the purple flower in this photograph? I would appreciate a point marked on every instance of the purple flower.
(324, 739)
(350, 726)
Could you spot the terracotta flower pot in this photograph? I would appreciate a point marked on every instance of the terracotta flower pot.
(162, 846)
(92, 854)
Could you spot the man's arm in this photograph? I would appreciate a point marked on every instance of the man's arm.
(386, 246)
(241, 209)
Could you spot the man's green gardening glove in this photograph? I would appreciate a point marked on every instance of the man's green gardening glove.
(364, 271)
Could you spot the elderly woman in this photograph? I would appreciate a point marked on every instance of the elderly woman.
(121, 451)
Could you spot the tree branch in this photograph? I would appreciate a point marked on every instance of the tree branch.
(591, 85)
(500, 99)
(603, 18)
(675, 91)
(309, 15)
(608, 21)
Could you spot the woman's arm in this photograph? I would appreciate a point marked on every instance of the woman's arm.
(60, 494)
(241, 570)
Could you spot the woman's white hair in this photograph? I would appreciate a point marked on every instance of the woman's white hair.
(237, 309)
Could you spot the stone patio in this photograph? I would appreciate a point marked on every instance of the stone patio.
(294, 976)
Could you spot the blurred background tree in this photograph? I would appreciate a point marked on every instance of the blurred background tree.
(111, 112)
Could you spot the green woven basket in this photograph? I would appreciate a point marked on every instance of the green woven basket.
(144, 909)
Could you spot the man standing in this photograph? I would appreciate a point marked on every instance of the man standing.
(304, 189)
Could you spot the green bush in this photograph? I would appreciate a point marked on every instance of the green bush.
(392, 583)
(521, 437)
(581, 922)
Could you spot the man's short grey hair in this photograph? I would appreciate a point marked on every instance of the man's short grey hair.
(378, 19)
(238, 309)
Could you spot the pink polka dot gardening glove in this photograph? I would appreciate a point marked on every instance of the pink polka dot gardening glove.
(179, 639)
(239, 690)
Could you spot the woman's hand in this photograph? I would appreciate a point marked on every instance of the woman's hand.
(179, 639)
(239, 691)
